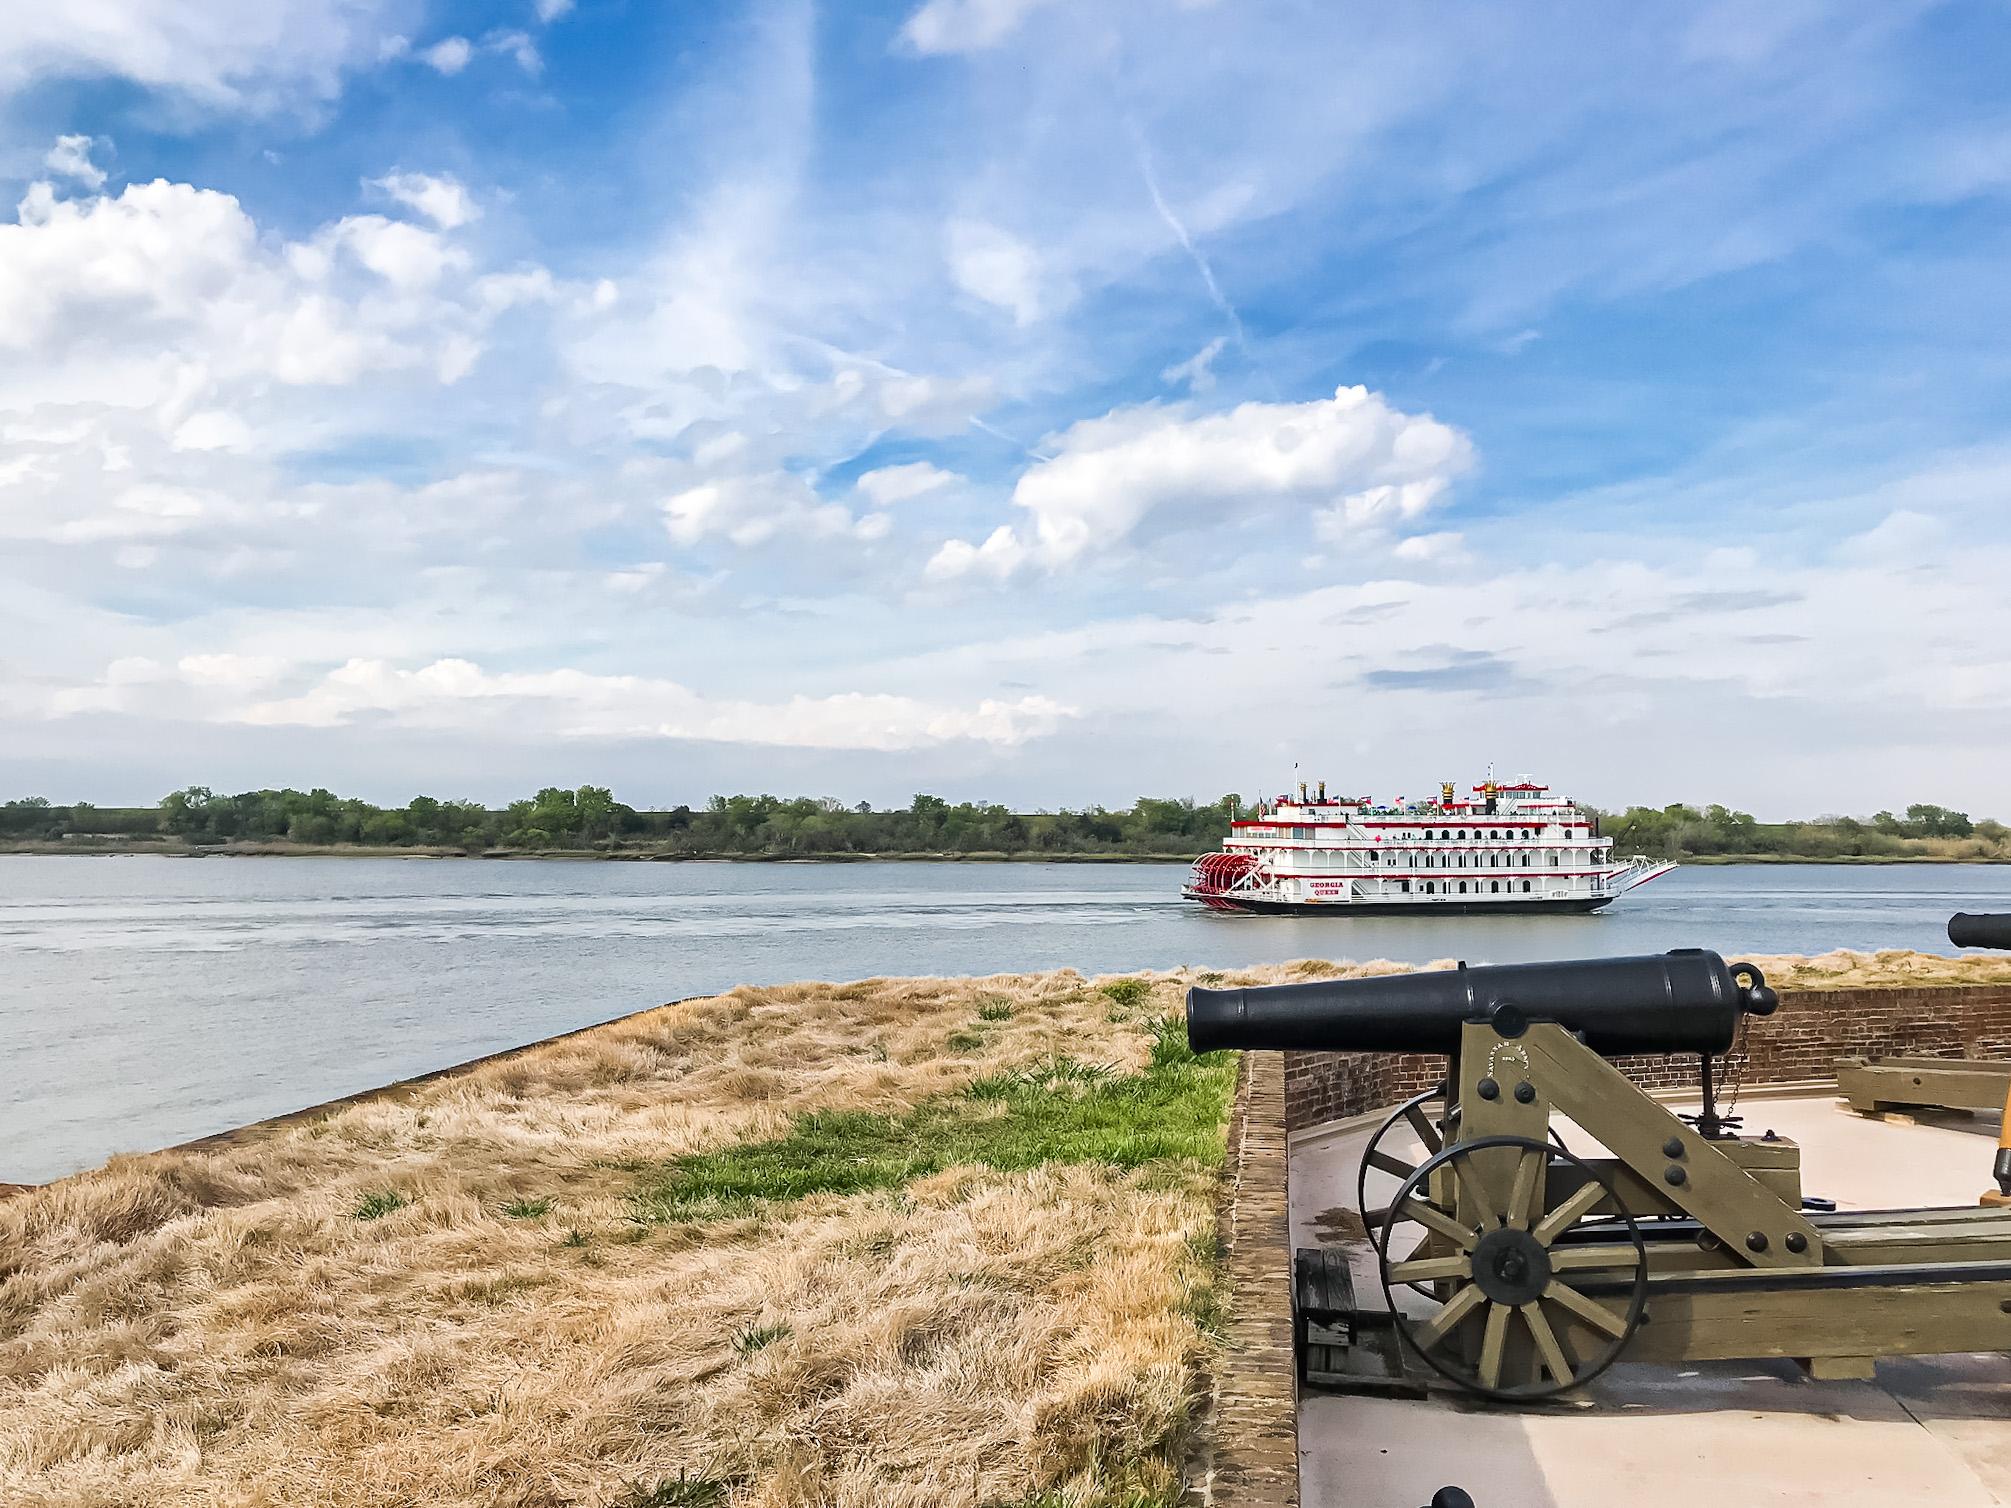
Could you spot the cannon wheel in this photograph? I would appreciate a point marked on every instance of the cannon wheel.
(1428, 1126)
(1507, 1268)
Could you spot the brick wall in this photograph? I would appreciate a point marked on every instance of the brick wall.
(1247, 1452)
(1802, 1040)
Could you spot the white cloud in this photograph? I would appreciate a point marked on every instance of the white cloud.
(442, 199)
(167, 296)
(943, 26)
(455, 693)
(997, 267)
(70, 157)
(1197, 371)
(212, 429)
(998, 557)
(519, 46)
(448, 56)
(238, 54)
(1107, 479)
(1441, 547)
(233, 670)
(888, 485)
(756, 509)
(409, 257)
(551, 10)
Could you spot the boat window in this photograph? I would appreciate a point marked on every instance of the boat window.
(1303, 834)
(1553, 861)
(1407, 892)
(1447, 833)
(1525, 887)
(1372, 856)
(1494, 887)
(1462, 887)
(1427, 887)
(1462, 832)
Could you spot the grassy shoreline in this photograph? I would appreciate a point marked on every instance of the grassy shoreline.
(646, 1265)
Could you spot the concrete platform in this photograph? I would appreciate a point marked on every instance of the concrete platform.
(1928, 1430)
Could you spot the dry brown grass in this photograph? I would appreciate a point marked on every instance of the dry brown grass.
(221, 1326)
(1844, 969)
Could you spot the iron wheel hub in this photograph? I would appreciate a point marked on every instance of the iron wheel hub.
(1511, 1267)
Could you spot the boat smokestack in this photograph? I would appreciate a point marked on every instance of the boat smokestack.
(1302, 793)
(1323, 790)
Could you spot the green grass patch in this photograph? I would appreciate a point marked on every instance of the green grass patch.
(683, 1492)
(527, 1209)
(379, 1203)
(995, 1010)
(754, 1337)
(965, 1042)
(1060, 1111)
(1127, 992)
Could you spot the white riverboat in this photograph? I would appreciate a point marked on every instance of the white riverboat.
(1505, 848)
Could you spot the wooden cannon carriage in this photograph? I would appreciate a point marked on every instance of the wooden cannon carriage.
(1517, 1268)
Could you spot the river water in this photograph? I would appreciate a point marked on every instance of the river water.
(147, 1000)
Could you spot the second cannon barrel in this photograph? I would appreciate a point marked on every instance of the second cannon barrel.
(1685, 1001)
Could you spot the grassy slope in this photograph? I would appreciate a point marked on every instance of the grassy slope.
(506, 1288)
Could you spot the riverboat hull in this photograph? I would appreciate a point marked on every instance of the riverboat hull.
(1575, 905)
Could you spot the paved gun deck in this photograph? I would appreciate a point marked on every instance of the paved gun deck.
(1929, 1430)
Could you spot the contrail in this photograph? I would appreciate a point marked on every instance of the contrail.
(1215, 293)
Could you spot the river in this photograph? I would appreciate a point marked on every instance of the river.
(148, 1000)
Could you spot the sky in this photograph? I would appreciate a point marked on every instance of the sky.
(1039, 401)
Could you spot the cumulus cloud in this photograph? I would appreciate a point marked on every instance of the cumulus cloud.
(943, 26)
(443, 199)
(897, 484)
(241, 54)
(570, 703)
(70, 157)
(749, 510)
(1354, 461)
(998, 267)
(449, 55)
(166, 293)
(552, 10)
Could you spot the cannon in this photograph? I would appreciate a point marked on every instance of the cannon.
(1517, 1268)
(1687, 1001)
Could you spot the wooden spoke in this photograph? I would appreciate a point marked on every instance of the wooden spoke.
(1546, 1342)
(1476, 1194)
(1598, 1316)
(1457, 1308)
(1528, 1183)
(1566, 1214)
(1493, 1341)
(1384, 1162)
(1578, 1258)
(1426, 1131)
(1433, 1218)
(1425, 1269)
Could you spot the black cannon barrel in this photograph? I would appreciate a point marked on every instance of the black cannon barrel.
(1686, 1001)
(1980, 929)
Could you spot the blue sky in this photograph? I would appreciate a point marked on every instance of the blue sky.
(1036, 401)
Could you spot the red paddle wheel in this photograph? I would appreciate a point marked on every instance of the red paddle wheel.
(1216, 874)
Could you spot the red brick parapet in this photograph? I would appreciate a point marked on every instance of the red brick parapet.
(1800, 1041)
(1249, 1455)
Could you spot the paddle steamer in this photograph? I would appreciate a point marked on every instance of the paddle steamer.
(1505, 848)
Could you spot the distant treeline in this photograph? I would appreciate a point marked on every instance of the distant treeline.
(1926, 831)
(590, 818)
